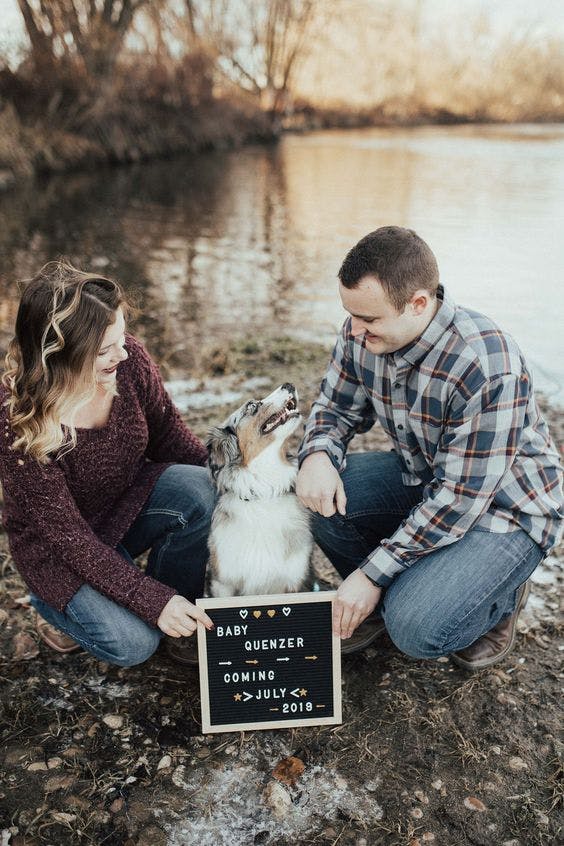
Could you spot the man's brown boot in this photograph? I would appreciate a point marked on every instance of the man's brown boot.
(497, 643)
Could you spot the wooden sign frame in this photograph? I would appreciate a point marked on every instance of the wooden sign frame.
(252, 609)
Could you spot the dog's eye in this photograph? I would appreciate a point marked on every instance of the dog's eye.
(252, 407)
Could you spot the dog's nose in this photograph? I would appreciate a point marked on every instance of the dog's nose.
(288, 387)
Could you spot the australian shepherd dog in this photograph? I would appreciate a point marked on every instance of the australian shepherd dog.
(260, 541)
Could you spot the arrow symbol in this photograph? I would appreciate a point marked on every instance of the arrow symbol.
(311, 657)
(247, 696)
(282, 659)
(250, 662)
(295, 692)
(225, 663)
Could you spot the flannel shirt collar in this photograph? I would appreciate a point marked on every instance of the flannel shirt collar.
(418, 349)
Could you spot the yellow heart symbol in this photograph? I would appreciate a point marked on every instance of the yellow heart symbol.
(257, 614)
(271, 613)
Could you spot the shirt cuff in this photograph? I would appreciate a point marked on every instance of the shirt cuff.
(335, 451)
(381, 568)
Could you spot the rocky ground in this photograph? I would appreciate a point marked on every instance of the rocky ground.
(426, 754)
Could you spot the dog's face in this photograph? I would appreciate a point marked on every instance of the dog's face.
(252, 428)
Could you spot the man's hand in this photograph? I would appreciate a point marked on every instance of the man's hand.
(319, 485)
(178, 617)
(357, 597)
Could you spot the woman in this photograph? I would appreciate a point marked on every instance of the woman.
(97, 466)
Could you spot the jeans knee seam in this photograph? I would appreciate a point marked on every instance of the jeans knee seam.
(444, 638)
(161, 512)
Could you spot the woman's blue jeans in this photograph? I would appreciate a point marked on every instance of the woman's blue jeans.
(449, 598)
(174, 524)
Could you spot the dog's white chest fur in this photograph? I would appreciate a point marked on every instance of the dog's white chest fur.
(259, 546)
(260, 540)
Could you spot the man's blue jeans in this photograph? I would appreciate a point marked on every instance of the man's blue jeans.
(449, 598)
(174, 524)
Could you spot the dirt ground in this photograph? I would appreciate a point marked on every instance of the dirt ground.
(426, 754)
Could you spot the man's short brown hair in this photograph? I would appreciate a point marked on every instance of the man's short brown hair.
(401, 260)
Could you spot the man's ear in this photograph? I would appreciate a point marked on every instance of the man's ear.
(223, 448)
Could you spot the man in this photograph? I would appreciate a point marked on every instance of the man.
(443, 532)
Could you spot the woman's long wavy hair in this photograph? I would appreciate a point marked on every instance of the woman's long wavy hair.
(50, 364)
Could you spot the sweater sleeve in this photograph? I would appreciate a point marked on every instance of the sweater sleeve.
(170, 439)
(41, 492)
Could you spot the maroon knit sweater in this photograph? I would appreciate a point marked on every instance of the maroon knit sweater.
(64, 519)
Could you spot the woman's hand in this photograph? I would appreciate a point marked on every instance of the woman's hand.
(179, 617)
(319, 485)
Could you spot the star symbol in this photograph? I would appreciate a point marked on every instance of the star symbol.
(303, 692)
(237, 697)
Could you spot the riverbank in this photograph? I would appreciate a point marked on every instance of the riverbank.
(140, 132)
(148, 132)
(426, 754)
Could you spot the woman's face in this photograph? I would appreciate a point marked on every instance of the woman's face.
(111, 350)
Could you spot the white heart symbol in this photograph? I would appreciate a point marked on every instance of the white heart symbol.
(243, 612)
(286, 611)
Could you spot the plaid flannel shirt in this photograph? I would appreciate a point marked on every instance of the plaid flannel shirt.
(458, 405)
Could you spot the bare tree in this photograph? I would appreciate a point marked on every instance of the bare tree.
(87, 33)
(258, 43)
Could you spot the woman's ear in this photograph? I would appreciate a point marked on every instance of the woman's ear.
(223, 448)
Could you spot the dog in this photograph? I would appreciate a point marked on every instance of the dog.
(260, 541)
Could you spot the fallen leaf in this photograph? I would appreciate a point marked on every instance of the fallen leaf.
(288, 770)
(59, 783)
(25, 648)
(474, 804)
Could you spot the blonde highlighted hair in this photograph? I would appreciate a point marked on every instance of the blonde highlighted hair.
(50, 364)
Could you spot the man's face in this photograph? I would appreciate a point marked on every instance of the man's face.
(384, 329)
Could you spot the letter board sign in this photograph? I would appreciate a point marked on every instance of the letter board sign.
(271, 662)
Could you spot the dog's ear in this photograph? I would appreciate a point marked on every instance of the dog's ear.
(223, 448)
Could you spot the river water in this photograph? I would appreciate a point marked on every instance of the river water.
(249, 242)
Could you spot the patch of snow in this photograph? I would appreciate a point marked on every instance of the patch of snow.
(227, 807)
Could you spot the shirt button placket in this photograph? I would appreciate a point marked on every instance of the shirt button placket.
(400, 418)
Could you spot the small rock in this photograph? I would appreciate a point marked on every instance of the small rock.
(437, 784)
(117, 805)
(114, 721)
(442, 660)
(421, 797)
(93, 729)
(340, 782)
(38, 766)
(164, 763)
(416, 813)
(53, 763)
(3, 616)
(277, 798)
(203, 753)
(496, 750)
(428, 837)
(474, 804)
(329, 833)
(415, 842)
(517, 764)
(165, 700)
(511, 843)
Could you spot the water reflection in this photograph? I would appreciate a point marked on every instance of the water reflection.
(248, 242)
